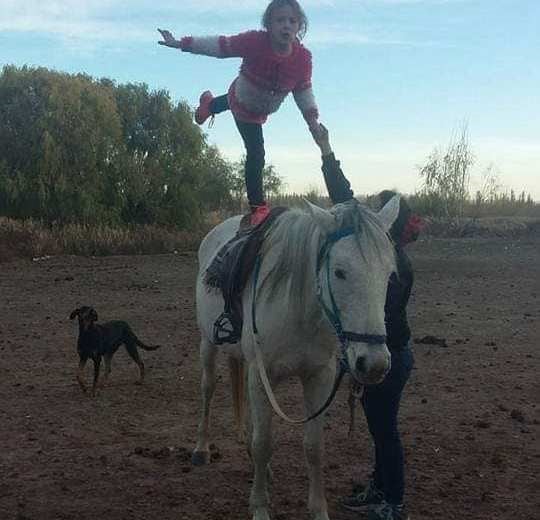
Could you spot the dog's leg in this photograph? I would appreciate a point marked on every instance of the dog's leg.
(97, 364)
(80, 372)
(131, 348)
(107, 358)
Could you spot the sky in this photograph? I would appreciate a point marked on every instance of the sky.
(394, 79)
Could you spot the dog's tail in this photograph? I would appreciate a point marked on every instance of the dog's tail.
(146, 347)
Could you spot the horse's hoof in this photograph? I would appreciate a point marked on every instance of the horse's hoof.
(200, 458)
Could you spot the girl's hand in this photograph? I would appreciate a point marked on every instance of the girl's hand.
(322, 138)
(169, 40)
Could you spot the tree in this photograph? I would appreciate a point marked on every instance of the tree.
(73, 149)
(164, 157)
(59, 135)
(447, 175)
(272, 182)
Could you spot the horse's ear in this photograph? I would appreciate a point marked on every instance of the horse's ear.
(324, 219)
(73, 314)
(389, 212)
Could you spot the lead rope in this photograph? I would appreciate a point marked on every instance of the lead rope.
(356, 391)
(262, 370)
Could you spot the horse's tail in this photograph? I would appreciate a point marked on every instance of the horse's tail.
(237, 372)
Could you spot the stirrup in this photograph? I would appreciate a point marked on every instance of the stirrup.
(225, 331)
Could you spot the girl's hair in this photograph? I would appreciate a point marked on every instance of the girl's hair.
(276, 4)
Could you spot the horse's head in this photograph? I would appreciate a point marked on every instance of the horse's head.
(354, 266)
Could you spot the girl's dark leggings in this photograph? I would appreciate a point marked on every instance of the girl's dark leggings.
(381, 407)
(252, 136)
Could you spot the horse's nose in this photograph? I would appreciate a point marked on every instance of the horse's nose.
(360, 365)
(373, 373)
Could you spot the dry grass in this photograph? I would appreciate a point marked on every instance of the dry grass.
(30, 239)
(483, 227)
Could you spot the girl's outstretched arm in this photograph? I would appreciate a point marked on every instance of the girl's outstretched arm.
(169, 40)
(304, 97)
(305, 100)
(239, 45)
(321, 136)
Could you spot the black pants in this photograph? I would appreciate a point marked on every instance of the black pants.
(252, 135)
(381, 406)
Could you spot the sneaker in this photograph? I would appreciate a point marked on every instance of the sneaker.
(203, 110)
(358, 501)
(386, 511)
(259, 214)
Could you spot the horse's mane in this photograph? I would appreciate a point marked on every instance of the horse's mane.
(295, 240)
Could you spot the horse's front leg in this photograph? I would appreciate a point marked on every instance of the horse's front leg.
(201, 454)
(261, 444)
(317, 388)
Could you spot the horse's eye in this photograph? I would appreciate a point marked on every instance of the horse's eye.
(340, 273)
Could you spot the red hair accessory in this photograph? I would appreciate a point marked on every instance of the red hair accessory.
(412, 229)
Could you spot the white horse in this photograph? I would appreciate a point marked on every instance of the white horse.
(323, 276)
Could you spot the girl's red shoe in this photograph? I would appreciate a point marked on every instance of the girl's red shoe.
(259, 214)
(203, 110)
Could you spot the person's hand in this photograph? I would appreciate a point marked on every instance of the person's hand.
(168, 39)
(314, 129)
(321, 137)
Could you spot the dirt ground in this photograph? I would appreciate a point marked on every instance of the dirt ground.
(470, 415)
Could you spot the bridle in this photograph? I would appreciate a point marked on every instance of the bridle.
(333, 315)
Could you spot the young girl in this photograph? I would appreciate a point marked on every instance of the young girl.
(274, 63)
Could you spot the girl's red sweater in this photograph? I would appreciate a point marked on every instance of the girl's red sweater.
(265, 78)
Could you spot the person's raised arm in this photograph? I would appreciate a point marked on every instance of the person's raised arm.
(321, 136)
(339, 188)
(239, 45)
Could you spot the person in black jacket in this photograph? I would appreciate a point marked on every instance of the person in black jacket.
(383, 495)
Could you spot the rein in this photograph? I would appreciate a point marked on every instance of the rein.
(334, 317)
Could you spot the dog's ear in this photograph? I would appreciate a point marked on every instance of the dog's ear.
(74, 313)
(93, 315)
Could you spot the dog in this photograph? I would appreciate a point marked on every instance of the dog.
(97, 341)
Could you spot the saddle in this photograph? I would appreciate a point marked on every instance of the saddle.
(230, 270)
